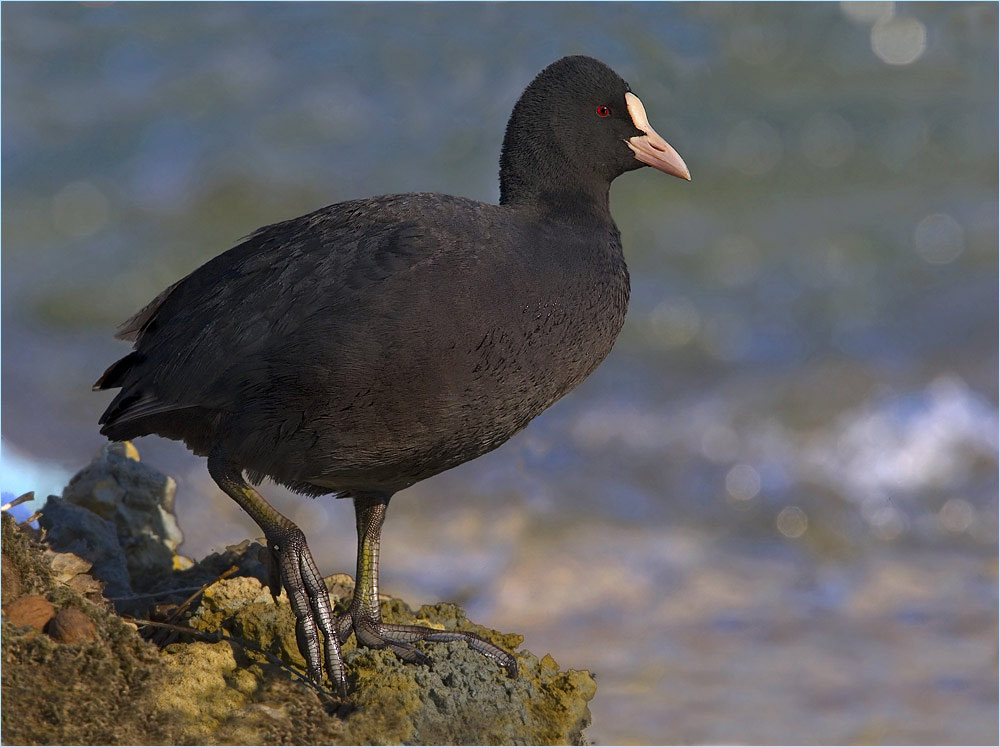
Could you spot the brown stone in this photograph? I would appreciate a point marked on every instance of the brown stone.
(32, 610)
(72, 626)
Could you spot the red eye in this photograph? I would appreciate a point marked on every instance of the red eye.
(603, 111)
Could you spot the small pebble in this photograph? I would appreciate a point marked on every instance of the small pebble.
(32, 610)
(72, 626)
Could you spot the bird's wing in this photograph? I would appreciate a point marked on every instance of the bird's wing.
(232, 309)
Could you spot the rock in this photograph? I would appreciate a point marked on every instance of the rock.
(86, 584)
(249, 557)
(139, 502)
(11, 580)
(65, 565)
(205, 687)
(74, 529)
(458, 699)
(341, 585)
(32, 611)
(22, 558)
(72, 570)
(463, 698)
(97, 692)
(71, 626)
(243, 607)
(236, 677)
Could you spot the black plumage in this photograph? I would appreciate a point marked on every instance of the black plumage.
(370, 344)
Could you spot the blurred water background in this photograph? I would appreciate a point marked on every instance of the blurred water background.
(771, 515)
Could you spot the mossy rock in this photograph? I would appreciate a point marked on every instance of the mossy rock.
(121, 689)
(97, 692)
(461, 698)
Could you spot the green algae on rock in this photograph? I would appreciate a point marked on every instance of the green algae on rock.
(459, 699)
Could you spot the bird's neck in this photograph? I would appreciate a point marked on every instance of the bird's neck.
(534, 173)
(559, 197)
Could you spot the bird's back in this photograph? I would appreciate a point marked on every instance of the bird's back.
(373, 343)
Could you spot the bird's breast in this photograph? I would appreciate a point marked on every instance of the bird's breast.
(556, 331)
(479, 364)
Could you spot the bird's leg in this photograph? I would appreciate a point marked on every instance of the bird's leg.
(364, 617)
(291, 566)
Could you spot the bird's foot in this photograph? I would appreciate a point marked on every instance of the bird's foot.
(400, 639)
(292, 567)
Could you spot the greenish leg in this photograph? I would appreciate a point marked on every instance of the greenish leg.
(364, 617)
(291, 567)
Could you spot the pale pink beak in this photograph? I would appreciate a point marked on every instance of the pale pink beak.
(650, 148)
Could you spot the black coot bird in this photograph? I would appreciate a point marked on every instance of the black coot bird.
(373, 343)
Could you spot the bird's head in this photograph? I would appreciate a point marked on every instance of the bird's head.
(579, 125)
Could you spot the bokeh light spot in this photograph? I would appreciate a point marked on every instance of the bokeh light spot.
(887, 523)
(743, 482)
(792, 522)
(899, 40)
(675, 322)
(939, 239)
(956, 515)
(867, 12)
(79, 209)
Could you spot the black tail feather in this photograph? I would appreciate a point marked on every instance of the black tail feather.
(117, 371)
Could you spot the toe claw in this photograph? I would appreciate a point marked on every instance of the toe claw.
(409, 653)
(273, 571)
